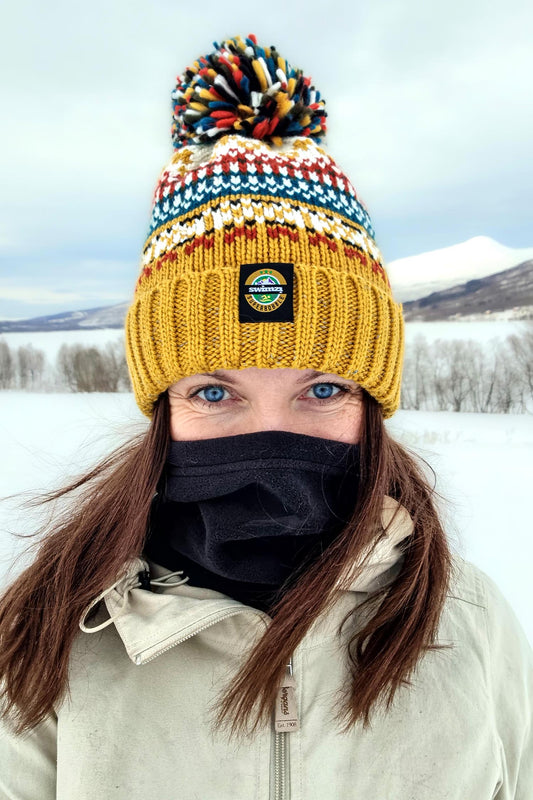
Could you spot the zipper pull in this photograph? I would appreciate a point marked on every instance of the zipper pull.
(286, 716)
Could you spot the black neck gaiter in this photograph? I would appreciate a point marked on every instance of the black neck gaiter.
(240, 514)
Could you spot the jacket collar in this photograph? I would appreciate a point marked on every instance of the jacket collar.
(151, 622)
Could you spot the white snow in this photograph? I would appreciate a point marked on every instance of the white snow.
(484, 473)
(482, 332)
(482, 461)
(417, 276)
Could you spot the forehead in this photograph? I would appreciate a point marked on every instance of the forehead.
(233, 375)
(294, 376)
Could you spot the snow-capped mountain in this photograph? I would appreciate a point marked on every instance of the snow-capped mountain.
(421, 275)
(91, 319)
(503, 295)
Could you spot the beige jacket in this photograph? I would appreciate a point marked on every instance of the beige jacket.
(137, 723)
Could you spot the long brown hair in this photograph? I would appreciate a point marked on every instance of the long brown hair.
(88, 547)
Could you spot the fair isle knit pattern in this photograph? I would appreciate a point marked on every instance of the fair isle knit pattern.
(310, 176)
(286, 213)
(244, 168)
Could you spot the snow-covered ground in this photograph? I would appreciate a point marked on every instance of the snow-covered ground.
(484, 473)
(483, 463)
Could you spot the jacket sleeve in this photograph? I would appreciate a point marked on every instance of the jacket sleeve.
(511, 669)
(28, 762)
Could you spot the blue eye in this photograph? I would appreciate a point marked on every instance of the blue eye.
(323, 391)
(213, 394)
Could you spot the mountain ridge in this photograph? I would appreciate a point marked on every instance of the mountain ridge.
(88, 319)
(508, 291)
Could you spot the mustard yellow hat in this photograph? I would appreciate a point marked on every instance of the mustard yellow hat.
(259, 252)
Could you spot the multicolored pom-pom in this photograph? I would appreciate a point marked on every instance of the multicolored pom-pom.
(245, 89)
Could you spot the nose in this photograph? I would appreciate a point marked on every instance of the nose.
(270, 422)
(269, 416)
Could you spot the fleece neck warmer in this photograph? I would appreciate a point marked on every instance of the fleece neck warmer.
(240, 514)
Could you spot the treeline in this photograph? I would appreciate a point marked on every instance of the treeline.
(443, 375)
(77, 368)
(467, 376)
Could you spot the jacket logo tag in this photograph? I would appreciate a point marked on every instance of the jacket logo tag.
(266, 292)
(286, 709)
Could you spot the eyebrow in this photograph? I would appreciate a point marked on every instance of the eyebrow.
(221, 375)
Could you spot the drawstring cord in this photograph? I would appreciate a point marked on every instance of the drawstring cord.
(139, 582)
(164, 580)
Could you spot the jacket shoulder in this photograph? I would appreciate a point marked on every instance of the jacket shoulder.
(471, 588)
(467, 582)
(472, 585)
(477, 613)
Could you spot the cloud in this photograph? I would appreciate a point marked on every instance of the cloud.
(97, 281)
(7, 241)
(37, 295)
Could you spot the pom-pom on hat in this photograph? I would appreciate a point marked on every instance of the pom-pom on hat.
(259, 251)
(245, 89)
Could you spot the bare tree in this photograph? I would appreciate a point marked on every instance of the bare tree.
(88, 369)
(508, 388)
(441, 375)
(30, 367)
(65, 367)
(7, 367)
(468, 376)
(417, 385)
(521, 354)
(481, 378)
(116, 356)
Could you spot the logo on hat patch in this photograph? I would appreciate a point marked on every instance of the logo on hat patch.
(266, 293)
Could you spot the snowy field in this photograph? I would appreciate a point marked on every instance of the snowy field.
(483, 464)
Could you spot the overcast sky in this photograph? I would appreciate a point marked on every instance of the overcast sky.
(429, 105)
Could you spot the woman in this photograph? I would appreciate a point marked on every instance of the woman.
(267, 602)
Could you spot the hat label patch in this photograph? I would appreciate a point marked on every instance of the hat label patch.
(266, 292)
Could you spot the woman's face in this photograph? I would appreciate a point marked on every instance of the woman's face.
(231, 402)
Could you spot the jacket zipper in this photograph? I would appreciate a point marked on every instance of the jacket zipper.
(281, 744)
(282, 784)
(281, 767)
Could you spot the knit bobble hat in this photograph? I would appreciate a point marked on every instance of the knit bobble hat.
(259, 251)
